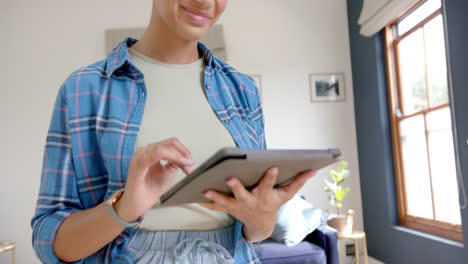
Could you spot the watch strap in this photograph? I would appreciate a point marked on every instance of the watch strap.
(117, 218)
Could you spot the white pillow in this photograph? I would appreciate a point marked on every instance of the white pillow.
(296, 219)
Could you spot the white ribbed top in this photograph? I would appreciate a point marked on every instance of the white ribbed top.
(176, 106)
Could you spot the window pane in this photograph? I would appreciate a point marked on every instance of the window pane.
(412, 72)
(436, 62)
(444, 179)
(417, 16)
(415, 166)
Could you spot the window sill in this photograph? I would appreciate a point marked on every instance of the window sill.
(429, 236)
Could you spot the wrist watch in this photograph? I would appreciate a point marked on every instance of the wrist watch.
(109, 204)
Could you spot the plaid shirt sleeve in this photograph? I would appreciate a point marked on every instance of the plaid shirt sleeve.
(256, 114)
(259, 123)
(58, 195)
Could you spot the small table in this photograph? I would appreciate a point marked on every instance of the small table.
(7, 246)
(355, 236)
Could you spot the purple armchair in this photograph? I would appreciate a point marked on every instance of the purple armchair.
(319, 247)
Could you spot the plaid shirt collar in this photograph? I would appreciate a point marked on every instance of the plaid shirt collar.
(119, 57)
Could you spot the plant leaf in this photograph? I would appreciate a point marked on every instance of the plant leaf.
(331, 186)
(341, 193)
(335, 175)
(342, 165)
(340, 181)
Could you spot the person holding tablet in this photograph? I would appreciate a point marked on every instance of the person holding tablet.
(127, 128)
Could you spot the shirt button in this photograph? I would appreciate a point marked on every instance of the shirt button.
(227, 121)
(208, 85)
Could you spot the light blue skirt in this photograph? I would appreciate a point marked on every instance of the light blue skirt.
(183, 247)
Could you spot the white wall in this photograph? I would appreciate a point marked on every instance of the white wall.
(283, 41)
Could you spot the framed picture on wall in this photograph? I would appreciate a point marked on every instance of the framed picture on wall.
(326, 87)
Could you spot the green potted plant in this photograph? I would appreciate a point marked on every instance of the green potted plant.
(343, 223)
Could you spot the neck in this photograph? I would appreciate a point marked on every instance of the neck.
(162, 44)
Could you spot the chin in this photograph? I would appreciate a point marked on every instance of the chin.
(195, 37)
(192, 33)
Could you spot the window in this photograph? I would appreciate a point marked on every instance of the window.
(422, 137)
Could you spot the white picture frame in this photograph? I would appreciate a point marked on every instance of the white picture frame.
(327, 87)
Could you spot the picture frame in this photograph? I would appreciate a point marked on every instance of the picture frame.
(327, 87)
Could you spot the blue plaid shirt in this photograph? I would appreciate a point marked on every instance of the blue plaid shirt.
(92, 135)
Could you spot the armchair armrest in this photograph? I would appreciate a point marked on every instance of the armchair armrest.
(326, 237)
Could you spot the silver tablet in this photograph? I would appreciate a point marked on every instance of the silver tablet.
(248, 165)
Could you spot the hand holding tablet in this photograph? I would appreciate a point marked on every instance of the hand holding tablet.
(247, 165)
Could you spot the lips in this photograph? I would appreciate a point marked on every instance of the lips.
(196, 16)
